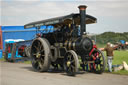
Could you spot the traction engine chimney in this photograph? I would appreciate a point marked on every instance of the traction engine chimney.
(82, 9)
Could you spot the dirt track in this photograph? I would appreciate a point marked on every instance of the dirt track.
(23, 74)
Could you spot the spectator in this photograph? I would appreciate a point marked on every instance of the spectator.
(109, 53)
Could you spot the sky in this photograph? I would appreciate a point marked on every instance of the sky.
(112, 15)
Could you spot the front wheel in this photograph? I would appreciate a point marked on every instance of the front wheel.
(71, 63)
(99, 63)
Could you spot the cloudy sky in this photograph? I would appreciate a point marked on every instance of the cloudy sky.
(112, 15)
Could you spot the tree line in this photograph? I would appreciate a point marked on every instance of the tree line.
(111, 37)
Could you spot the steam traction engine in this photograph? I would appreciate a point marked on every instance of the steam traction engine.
(68, 46)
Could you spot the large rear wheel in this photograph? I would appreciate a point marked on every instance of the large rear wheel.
(40, 54)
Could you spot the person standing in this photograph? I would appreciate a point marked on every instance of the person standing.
(109, 52)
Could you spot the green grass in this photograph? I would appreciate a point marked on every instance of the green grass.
(2, 59)
(119, 57)
(100, 45)
(27, 62)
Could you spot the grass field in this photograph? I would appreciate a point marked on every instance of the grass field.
(2, 59)
(100, 45)
(119, 57)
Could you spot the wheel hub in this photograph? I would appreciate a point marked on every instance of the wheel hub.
(68, 63)
(38, 55)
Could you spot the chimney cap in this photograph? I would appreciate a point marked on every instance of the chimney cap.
(82, 7)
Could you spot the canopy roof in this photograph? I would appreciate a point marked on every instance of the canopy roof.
(60, 21)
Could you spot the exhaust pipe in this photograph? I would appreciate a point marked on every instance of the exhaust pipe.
(82, 9)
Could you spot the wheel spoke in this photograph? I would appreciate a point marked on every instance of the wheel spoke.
(39, 45)
(42, 60)
(34, 61)
(97, 66)
(73, 67)
(69, 68)
(70, 57)
(36, 48)
(101, 65)
(72, 61)
(34, 54)
(42, 51)
(41, 48)
(40, 65)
